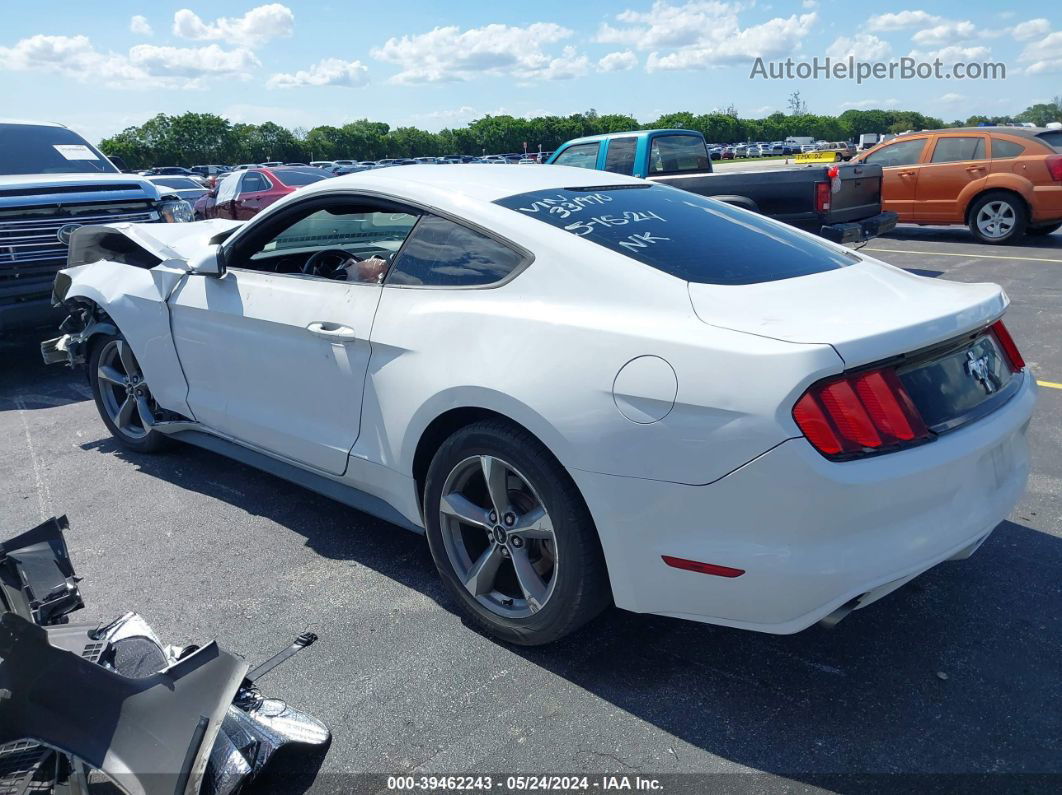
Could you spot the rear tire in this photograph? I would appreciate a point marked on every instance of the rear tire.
(526, 589)
(998, 217)
(122, 395)
(1043, 231)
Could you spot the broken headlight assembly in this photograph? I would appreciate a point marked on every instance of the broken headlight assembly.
(89, 704)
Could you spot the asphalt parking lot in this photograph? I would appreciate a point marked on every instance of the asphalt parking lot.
(958, 673)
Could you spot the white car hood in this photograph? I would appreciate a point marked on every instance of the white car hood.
(188, 242)
(867, 311)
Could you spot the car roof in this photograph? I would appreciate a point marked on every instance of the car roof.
(604, 136)
(475, 181)
(30, 122)
(1021, 132)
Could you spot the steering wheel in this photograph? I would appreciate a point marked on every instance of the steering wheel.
(327, 262)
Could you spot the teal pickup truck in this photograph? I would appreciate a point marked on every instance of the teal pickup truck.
(840, 201)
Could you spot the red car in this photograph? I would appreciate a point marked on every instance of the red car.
(242, 194)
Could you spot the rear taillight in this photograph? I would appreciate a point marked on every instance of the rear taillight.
(1006, 342)
(822, 197)
(859, 414)
(1054, 167)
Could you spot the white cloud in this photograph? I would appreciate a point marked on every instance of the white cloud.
(945, 33)
(329, 72)
(450, 54)
(1043, 56)
(569, 65)
(1032, 29)
(617, 61)
(952, 54)
(863, 45)
(702, 33)
(257, 26)
(868, 104)
(144, 66)
(140, 26)
(699, 34)
(902, 20)
(810, 4)
(951, 98)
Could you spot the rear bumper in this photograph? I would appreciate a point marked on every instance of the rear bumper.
(859, 231)
(811, 535)
(28, 314)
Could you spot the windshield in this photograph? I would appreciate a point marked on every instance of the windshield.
(40, 149)
(689, 236)
(295, 177)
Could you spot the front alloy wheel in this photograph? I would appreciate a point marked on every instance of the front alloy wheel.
(122, 395)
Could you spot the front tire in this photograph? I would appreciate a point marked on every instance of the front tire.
(122, 395)
(511, 536)
(998, 217)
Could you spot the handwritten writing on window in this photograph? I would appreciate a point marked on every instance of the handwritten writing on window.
(587, 225)
(565, 206)
(640, 240)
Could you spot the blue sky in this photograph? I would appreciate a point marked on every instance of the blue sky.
(100, 68)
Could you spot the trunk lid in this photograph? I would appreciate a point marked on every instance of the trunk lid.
(868, 312)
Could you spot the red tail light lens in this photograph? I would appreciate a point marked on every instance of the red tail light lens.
(1006, 342)
(822, 196)
(1054, 167)
(859, 414)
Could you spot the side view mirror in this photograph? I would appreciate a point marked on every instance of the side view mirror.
(210, 264)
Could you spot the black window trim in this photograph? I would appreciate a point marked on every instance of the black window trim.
(328, 197)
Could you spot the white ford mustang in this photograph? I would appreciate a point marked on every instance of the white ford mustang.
(584, 387)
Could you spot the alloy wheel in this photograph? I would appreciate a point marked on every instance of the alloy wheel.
(124, 392)
(996, 219)
(498, 536)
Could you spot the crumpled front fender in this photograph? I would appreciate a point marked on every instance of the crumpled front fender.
(134, 299)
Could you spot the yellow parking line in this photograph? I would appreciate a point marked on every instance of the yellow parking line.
(954, 254)
(1050, 384)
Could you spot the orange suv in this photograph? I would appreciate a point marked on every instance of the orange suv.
(1001, 182)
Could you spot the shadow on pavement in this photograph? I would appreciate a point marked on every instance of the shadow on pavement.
(955, 673)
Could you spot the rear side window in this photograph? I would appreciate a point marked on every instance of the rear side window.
(253, 182)
(579, 155)
(688, 236)
(901, 153)
(954, 150)
(441, 253)
(1051, 138)
(671, 154)
(1002, 149)
(619, 157)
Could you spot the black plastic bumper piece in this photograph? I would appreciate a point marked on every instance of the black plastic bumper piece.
(860, 231)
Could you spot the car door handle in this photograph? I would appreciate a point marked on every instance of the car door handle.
(907, 173)
(975, 168)
(332, 331)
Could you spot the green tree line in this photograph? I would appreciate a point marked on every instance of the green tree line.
(200, 138)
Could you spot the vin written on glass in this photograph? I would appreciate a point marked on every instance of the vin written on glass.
(564, 206)
(587, 225)
(685, 235)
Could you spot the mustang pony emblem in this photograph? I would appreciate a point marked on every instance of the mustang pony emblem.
(979, 368)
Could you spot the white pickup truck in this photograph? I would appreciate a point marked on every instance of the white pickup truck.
(53, 181)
